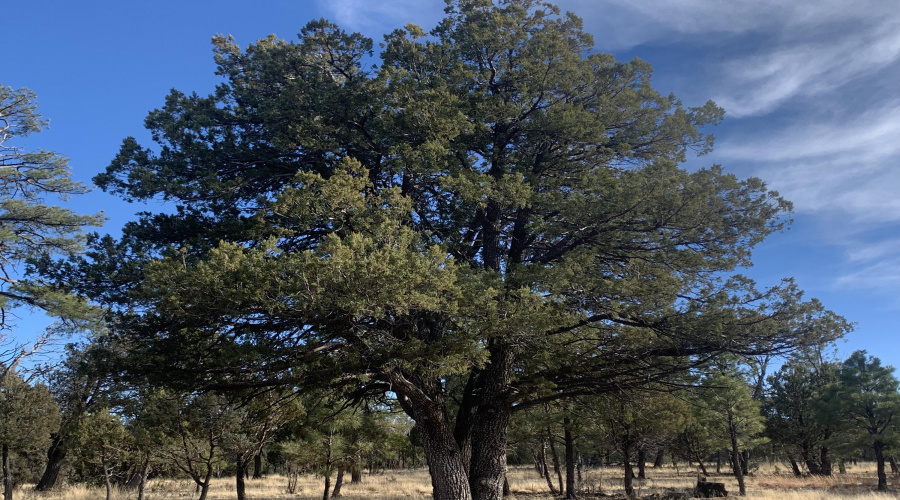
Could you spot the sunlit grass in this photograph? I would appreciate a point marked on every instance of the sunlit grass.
(772, 482)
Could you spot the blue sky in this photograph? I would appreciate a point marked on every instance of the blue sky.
(811, 92)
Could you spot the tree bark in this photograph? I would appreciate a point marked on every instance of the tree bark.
(7, 475)
(570, 459)
(894, 468)
(56, 454)
(629, 471)
(879, 459)
(204, 486)
(144, 472)
(490, 425)
(327, 493)
(355, 475)
(546, 469)
(555, 456)
(700, 463)
(795, 468)
(339, 481)
(641, 459)
(257, 465)
(423, 402)
(825, 461)
(660, 456)
(736, 455)
(105, 476)
(239, 476)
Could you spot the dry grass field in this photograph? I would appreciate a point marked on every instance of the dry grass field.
(771, 483)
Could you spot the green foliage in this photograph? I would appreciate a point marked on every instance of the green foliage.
(864, 400)
(494, 205)
(28, 416)
(794, 409)
(30, 227)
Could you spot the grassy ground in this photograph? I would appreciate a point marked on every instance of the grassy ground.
(771, 483)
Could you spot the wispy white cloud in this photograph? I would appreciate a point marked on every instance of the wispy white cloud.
(840, 167)
(626, 23)
(758, 84)
(883, 275)
(375, 18)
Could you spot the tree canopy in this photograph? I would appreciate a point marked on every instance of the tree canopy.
(494, 213)
(30, 227)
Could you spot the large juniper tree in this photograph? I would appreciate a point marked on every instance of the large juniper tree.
(495, 213)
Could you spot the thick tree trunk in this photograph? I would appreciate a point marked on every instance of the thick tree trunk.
(826, 469)
(660, 456)
(879, 459)
(339, 481)
(570, 459)
(7, 475)
(448, 475)
(423, 401)
(795, 468)
(490, 424)
(488, 466)
(257, 465)
(56, 454)
(641, 458)
(239, 475)
(327, 493)
(204, 486)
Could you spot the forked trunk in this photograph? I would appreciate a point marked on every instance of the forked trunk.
(56, 453)
(449, 480)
